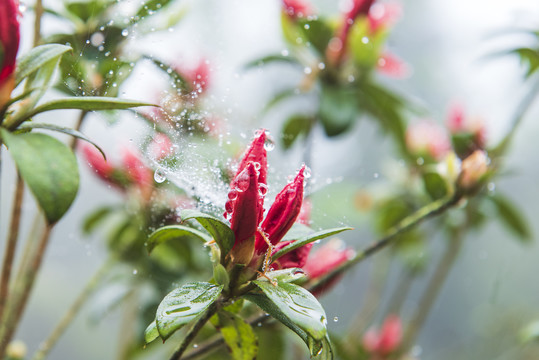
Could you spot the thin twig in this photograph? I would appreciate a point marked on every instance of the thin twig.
(22, 291)
(433, 290)
(193, 332)
(68, 317)
(11, 244)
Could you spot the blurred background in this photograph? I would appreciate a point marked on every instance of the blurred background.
(490, 294)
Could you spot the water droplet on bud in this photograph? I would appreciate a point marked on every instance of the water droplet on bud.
(262, 189)
(159, 176)
(269, 145)
(336, 319)
(307, 173)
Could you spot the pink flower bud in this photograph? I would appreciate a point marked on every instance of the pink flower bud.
(468, 133)
(296, 258)
(198, 76)
(9, 45)
(297, 8)
(326, 258)
(385, 341)
(427, 139)
(95, 159)
(383, 15)
(473, 168)
(138, 172)
(304, 216)
(160, 147)
(282, 213)
(390, 65)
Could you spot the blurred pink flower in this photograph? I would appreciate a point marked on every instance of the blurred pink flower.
(160, 147)
(297, 8)
(426, 138)
(383, 15)
(197, 76)
(390, 65)
(470, 130)
(95, 159)
(327, 257)
(387, 339)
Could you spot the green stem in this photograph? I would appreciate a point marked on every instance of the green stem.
(128, 326)
(47, 345)
(431, 210)
(38, 11)
(193, 332)
(433, 290)
(22, 292)
(11, 244)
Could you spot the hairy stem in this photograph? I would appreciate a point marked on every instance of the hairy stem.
(11, 244)
(22, 291)
(38, 12)
(47, 345)
(433, 290)
(193, 332)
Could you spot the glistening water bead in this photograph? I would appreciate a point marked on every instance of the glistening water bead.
(159, 176)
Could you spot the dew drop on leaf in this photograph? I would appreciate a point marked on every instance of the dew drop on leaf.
(159, 176)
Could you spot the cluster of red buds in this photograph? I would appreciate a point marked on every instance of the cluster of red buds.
(9, 45)
(257, 236)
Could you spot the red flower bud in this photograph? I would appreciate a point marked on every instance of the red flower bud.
(326, 258)
(282, 213)
(9, 45)
(256, 153)
(244, 204)
(95, 159)
(296, 258)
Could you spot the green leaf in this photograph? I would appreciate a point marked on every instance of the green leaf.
(435, 185)
(48, 167)
(279, 97)
(184, 304)
(297, 309)
(64, 130)
(297, 231)
(269, 59)
(94, 219)
(308, 239)
(295, 126)
(318, 33)
(530, 333)
(85, 10)
(174, 232)
(530, 57)
(36, 58)
(151, 333)
(178, 78)
(289, 275)
(220, 275)
(87, 103)
(151, 6)
(511, 217)
(221, 232)
(338, 109)
(238, 335)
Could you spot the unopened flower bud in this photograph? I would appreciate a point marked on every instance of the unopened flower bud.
(473, 168)
(9, 45)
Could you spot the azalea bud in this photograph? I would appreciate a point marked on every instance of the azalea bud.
(9, 45)
(390, 65)
(385, 341)
(297, 8)
(467, 133)
(295, 258)
(256, 153)
(160, 147)
(138, 172)
(427, 140)
(327, 258)
(244, 204)
(473, 168)
(199, 76)
(383, 15)
(282, 213)
(95, 159)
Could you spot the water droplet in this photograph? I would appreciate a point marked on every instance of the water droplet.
(22, 7)
(159, 176)
(257, 166)
(269, 145)
(321, 66)
(375, 175)
(233, 195)
(284, 52)
(365, 40)
(420, 161)
(307, 70)
(135, 271)
(307, 173)
(306, 26)
(336, 319)
(125, 32)
(491, 187)
(263, 189)
(195, 345)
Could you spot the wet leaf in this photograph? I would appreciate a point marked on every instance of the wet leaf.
(48, 167)
(295, 126)
(308, 239)
(96, 218)
(151, 6)
(289, 275)
(297, 309)
(178, 79)
(318, 33)
(36, 58)
(221, 232)
(238, 335)
(338, 109)
(151, 333)
(435, 185)
(89, 103)
(64, 130)
(183, 305)
(511, 217)
(270, 59)
(174, 232)
(297, 231)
